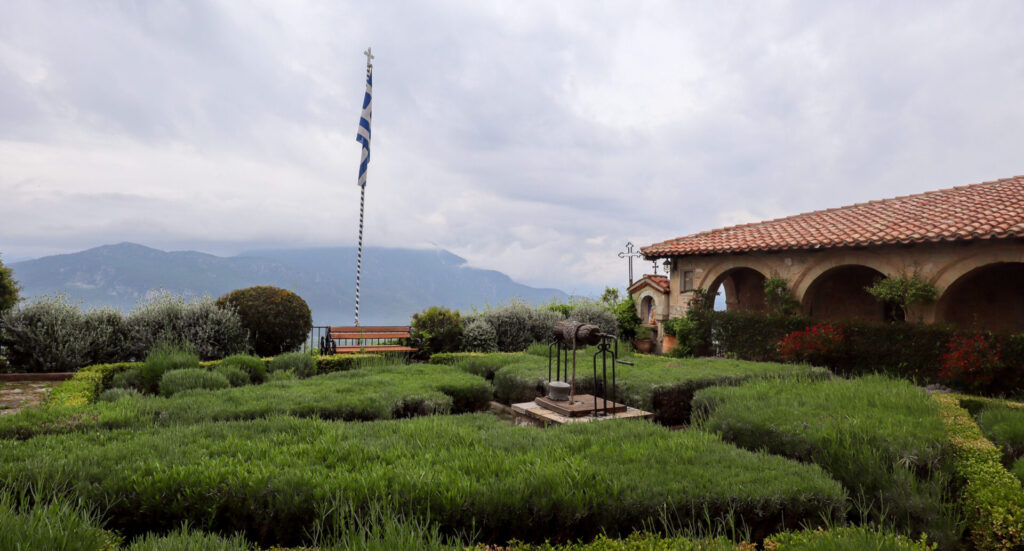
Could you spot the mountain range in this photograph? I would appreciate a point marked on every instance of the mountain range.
(395, 283)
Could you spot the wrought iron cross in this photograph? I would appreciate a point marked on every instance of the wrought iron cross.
(630, 254)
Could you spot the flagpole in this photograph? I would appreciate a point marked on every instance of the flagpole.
(363, 137)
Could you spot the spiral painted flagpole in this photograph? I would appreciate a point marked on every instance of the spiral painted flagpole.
(363, 137)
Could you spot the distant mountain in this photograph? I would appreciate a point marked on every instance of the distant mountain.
(395, 282)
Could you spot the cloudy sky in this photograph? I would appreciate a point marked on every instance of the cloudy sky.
(531, 137)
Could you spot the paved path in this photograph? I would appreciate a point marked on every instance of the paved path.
(15, 397)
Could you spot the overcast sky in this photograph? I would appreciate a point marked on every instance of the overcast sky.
(531, 137)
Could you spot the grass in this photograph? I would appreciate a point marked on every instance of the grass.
(271, 478)
(884, 439)
(1004, 426)
(663, 386)
(358, 395)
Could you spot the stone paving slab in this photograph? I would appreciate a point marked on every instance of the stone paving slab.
(15, 397)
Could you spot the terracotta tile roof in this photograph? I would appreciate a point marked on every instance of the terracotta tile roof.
(990, 210)
(659, 282)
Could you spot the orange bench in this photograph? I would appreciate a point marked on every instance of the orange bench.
(365, 338)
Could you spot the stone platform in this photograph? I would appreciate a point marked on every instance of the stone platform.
(536, 413)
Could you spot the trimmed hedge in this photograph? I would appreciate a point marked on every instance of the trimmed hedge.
(663, 386)
(908, 350)
(58, 525)
(85, 385)
(846, 538)
(272, 478)
(360, 395)
(992, 498)
(882, 438)
(637, 541)
(484, 365)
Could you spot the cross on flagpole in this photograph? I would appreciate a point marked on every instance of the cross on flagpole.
(630, 254)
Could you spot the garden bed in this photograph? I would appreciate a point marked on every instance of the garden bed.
(362, 394)
(271, 478)
(883, 438)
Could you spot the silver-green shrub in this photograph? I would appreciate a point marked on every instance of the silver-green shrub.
(511, 325)
(594, 314)
(479, 336)
(45, 335)
(213, 332)
(542, 322)
(105, 331)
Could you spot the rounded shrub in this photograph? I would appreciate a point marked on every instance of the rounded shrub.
(180, 380)
(234, 375)
(438, 329)
(45, 336)
(511, 324)
(300, 364)
(115, 394)
(255, 367)
(596, 315)
(162, 359)
(479, 336)
(278, 320)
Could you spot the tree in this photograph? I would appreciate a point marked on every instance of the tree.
(778, 297)
(610, 297)
(10, 291)
(902, 291)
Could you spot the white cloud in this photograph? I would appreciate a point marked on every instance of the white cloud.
(535, 138)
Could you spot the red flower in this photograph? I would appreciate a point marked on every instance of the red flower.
(970, 362)
(813, 344)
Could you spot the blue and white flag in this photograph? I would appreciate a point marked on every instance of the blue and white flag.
(363, 135)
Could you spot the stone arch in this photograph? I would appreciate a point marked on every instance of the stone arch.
(989, 297)
(649, 301)
(801, 283)
(744, 289)
(839, 293)
(948, 274)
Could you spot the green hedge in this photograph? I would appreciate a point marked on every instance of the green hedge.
(663, 386)
(365, 394)
(882, 438)
(85, 385)
(992, 498)
(905, 350)
(271, 478)
(846, 538)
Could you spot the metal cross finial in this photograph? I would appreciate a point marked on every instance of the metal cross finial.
(655, 264)
(630, 254)
(369, 57)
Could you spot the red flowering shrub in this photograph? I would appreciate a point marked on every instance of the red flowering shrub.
(970, 362)
(813, 345)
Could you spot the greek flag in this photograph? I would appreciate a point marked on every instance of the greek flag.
(363, 135)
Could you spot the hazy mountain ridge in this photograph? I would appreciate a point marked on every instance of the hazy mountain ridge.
(395, 283)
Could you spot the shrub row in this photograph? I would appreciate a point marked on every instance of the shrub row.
(52, 334)
(84, 387)
(882, 438)
(662, 386)
(907, 350)
(992, 498)
(367, 394)
(271, 478)
(509, 328)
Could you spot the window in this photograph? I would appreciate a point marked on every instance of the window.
(686, 281)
